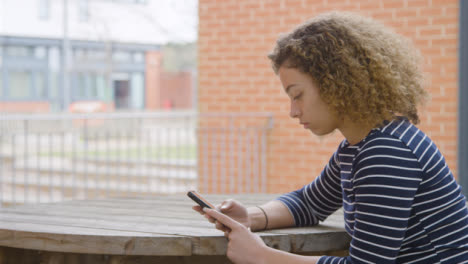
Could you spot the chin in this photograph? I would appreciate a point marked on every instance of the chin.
(321, 132)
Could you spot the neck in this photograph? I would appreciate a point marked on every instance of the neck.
(354, 132)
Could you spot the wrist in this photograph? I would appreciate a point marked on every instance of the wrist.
(264, 255)
(256, 218)
(271, 256)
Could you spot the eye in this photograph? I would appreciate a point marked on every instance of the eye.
(297, 96)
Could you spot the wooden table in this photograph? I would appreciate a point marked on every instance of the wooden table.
(162, 229)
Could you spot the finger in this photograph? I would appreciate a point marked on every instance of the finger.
(210, 219)
(218, 207)
(198, 209)
(224, 219)
(225, 229)
(221, 227)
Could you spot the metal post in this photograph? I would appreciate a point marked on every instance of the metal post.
(194, 90)
(26, 162)
(204, 136)
(462, 98)
(2, 171)
(65, 58)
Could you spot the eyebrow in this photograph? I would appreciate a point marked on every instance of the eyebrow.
(289, 86)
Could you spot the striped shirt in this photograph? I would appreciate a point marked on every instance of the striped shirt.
(400, 200)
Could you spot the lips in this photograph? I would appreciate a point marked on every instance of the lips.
(306, 125)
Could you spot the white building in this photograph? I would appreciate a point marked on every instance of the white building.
(112, 48)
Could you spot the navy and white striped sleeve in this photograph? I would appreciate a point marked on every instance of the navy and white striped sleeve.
(386, 178)
(317, 200)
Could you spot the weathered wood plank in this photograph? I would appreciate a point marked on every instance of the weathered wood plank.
(90, 241)
(122, 222)
(24, 256)
(205, 241)
(163, 226)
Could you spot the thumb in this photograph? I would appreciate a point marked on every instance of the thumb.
(226, 205)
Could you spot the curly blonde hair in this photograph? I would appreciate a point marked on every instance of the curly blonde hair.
(364, 71)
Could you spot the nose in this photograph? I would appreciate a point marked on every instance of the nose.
(294, 110)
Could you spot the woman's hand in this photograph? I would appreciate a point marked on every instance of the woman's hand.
(231, 208)
(244, 247)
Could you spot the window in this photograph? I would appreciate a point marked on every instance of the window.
(141, 2)
(121, 56)
(54, 59)
(20, 83)
(1, 84)
(92, 89)
(1, 72)
(80, 91)
(18, 51)
(87, 86)
(97, 55)
(44, 9)
(40, 85)
(54, 72)
(103, 88)
(138, 91)
(54, 79)
(138, 57)
(83, 10)
(40, 52)
(79, 54)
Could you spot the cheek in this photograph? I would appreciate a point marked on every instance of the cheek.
(318, 110)
(321, 119)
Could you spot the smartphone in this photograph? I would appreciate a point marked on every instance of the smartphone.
(200, 200)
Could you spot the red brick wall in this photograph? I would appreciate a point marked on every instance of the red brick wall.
(176, 88)
(163, 88)
(153, 80)
(24, 107)
(235, 76)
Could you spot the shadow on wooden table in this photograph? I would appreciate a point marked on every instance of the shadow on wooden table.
(25, 256)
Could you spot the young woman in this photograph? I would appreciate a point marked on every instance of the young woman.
(401, 202)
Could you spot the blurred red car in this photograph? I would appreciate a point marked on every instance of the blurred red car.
(88, 107)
